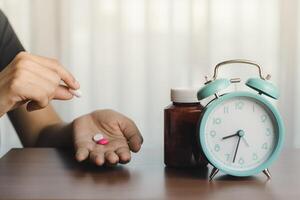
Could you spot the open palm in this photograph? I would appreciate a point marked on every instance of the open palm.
(122, 133)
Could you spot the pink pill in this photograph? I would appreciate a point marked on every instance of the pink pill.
(103, 141)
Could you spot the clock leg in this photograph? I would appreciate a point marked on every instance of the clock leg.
(267, 173)
(213, 173)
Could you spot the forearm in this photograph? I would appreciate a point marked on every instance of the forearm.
(37, 128)
(56, 135)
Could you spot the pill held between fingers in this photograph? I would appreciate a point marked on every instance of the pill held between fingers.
(103, 141)
(76, 93)
(98, 137)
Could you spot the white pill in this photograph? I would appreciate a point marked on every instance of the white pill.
(76, 93)
(98, 137)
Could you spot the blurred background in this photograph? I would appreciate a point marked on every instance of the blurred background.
(127, 54)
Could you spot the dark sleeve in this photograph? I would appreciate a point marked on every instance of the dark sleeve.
(10, 45)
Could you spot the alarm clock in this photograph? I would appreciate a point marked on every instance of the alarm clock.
(241, 133)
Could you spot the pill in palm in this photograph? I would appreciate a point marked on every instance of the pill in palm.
(103, 141)
(98, 137)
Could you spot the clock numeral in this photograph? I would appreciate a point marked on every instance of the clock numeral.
(217, 148)
(226, 110)
(217, 121)
(213, 133)
(227, 155)
(268, 132)
(265, 146)
(241, 161)
(263, 118)
(253, 108)
(254, 156)
(239, 105)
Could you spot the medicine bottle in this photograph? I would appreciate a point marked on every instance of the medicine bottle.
(180, 128)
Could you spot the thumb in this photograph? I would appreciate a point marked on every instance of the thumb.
(132, 134)
(62, 93)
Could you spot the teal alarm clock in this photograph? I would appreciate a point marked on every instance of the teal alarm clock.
(241, 133)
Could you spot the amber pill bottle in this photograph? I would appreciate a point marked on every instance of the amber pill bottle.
(180, 129)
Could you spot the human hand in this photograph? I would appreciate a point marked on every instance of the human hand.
(34, 79)
(122, 133)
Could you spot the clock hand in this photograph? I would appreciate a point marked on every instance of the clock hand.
(245, 141)
(236, 149)
(229, 136)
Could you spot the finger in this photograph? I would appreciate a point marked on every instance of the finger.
(37, 90)
(97, 157)
(111, 158)
(32, 82)
(123, 154)
(132, 134)
(43, 72)
(37, 96)
(62, 93)
(46, 79)
(64, 74)
(81, 154)
(82, 148)
(135, 142)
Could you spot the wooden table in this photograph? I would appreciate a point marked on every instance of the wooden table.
(53, 174)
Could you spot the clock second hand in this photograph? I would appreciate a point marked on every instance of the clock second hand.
(244, 139)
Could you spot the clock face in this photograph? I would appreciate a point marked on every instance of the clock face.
(239, 134)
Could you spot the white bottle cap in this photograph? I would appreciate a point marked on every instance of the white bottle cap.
(184, 95)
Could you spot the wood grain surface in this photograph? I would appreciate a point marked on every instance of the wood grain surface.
(45, 173)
